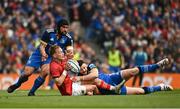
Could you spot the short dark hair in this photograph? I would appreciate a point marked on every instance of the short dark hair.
(62, 22)
(52, 49)
(80, 62)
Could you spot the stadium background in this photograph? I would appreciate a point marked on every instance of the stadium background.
(96, 26)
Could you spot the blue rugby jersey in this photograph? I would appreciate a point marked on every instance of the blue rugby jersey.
(49, 37)
(112, 79)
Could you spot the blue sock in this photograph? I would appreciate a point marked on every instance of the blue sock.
(38, 82)
(151, 89)
(51, 83)
(148, 68)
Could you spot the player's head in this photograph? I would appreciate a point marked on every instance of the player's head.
(69, 52)
(83, 67)
(56, 52)
(62, 26)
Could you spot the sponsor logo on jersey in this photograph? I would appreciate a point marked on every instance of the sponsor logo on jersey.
(51, 39)
(92, 66)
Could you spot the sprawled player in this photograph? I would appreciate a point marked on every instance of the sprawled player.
(41, 58)
(121, 76)
(59, 71)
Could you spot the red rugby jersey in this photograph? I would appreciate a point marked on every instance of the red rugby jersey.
(56, 70)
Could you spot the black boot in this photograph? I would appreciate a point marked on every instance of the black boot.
(21, 80)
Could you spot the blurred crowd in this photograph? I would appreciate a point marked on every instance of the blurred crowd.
(120, 25)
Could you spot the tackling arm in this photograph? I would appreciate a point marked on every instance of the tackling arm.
(91, 76)
(42, 50)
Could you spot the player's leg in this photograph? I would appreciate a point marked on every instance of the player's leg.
(91, 89)
(50, 83)
(40, 79)
(128, 73)
(134, 80)
(160, 87)
(147, 90)
(141, 75)
(27, 71)
(103, 85)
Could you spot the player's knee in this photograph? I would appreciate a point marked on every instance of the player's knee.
(27, 71)
(44, 72)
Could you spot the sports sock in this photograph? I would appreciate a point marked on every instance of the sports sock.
(104, 85)
(51, 83)
(151, 89)
(22, 79)
(38, 82)
(148, 68)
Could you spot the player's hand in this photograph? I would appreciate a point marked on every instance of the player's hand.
(44, 57)
(68, 67)
(75, 78)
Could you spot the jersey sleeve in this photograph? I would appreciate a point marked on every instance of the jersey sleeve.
(70, 40)
(45, 37)
(91, 66)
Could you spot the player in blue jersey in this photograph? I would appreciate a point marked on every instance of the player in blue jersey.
(122, 76)
(41, 58)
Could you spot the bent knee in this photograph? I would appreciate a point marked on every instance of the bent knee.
(28, 71)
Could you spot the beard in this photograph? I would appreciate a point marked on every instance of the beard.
(63, 33)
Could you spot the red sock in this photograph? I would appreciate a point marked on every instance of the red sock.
(103, 85)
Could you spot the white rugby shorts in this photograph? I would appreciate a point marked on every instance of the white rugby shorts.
(78, 89)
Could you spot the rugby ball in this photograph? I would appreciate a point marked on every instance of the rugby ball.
(75, 68)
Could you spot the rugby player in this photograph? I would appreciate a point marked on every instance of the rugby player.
(41, 58)
(88, 73)
(59, 71)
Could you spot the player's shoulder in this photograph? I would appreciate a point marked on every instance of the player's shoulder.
(50, 30)
(69, 36)
(91, 66)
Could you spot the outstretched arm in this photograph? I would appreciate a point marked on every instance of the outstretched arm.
(91, 76)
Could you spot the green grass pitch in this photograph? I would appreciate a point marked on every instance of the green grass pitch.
(52, 99)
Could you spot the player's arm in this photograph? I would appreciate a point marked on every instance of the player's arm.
(60, 80)
(58, 73)
(43, 44)
(91, 76)
(42, 50)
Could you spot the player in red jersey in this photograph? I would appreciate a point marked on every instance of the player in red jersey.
(59, 69)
